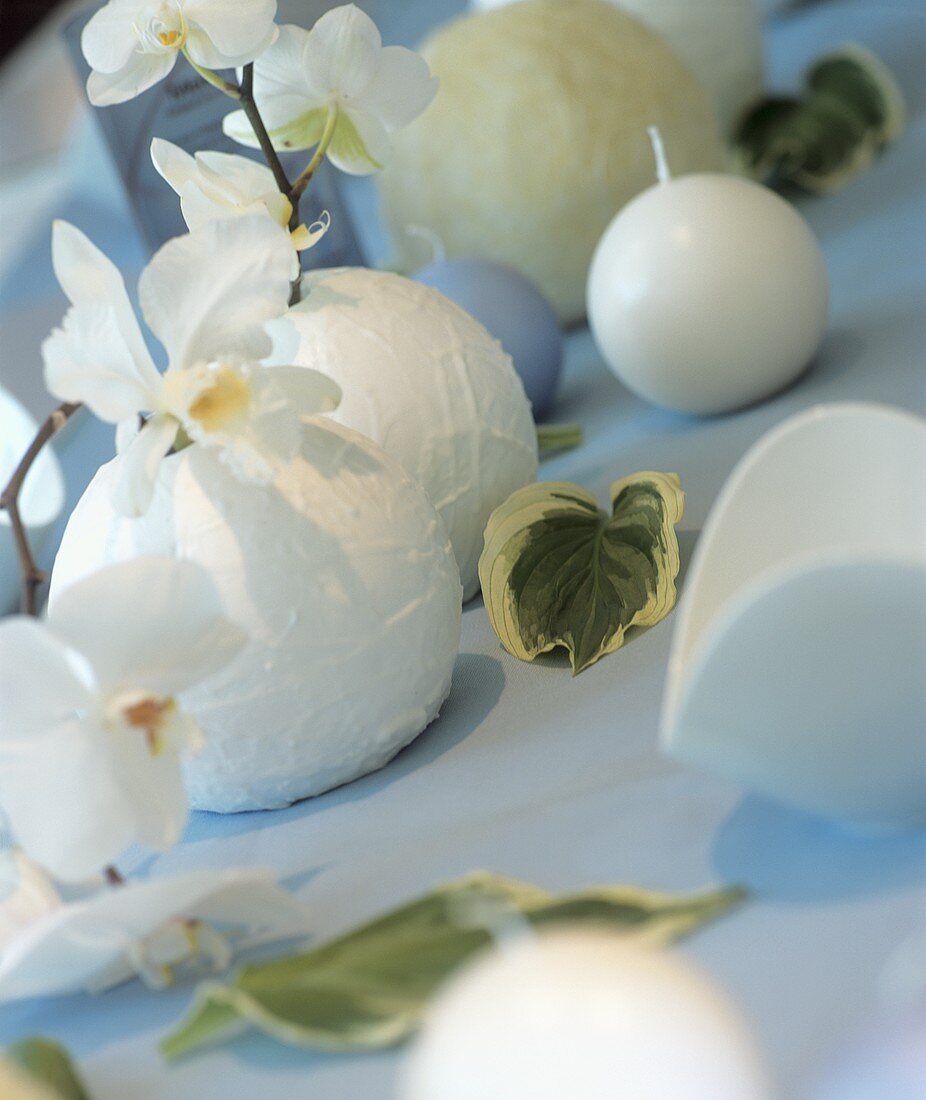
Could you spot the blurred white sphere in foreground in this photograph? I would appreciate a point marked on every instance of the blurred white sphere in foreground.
(426, 381)
(583, 1015)
(342, 574)
(707, 292)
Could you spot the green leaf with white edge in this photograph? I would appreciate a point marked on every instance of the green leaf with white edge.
(851, 109)
(369, 989)
(50, 1064)
(558, 571)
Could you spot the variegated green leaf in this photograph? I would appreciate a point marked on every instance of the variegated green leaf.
(852, 108)
(557, 571)
(369, 989)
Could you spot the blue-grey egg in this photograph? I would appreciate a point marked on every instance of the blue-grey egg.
(515, 312)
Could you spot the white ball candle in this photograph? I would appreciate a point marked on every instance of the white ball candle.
(707, 292)
(587, 1015)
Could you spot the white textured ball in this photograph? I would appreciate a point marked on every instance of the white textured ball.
(429, 384)
(342, 573)
(537, 138)
(707, 293)
(583, 1015)
(719, 40)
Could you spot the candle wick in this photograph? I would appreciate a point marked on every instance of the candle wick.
(659, 153)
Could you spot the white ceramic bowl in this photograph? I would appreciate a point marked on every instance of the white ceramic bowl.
(40, 501)
(798, 665)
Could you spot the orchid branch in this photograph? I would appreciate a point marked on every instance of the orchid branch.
(32, 576)
(248, 104)
(321, 149)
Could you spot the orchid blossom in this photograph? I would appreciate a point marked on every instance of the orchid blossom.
(150, 929)
(336, 87)
(214, 186)
(207, 296)
(91, 732)
(132, 44)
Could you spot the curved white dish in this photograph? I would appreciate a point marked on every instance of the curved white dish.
(798, 666)
(40, 501)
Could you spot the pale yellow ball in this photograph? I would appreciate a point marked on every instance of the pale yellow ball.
(538, 136)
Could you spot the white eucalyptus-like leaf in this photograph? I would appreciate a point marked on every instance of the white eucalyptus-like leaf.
(369, 988)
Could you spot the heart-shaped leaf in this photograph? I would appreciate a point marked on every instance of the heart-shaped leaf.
(369, 989)
(557, 571)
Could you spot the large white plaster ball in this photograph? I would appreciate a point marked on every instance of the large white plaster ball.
(719, 40)
(707, 293)
(537, 137)
(342, 573)
(430, 385)
(583, 1015)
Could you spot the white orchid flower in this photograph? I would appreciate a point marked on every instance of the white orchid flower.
(337, 86)
(218, 186)
(149, 929)
(132, 44)
(207, 296)
(91, 734)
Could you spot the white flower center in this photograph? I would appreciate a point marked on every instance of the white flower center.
(165, 30)
(213, 397)
(150, 715)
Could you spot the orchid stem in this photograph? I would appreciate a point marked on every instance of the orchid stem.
(319, 155)
(246, 97)
(32, 576)
(244, 94)
(214, 79)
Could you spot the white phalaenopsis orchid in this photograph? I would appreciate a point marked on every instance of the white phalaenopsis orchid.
(216, 186)
(207, 297)
(132, 44)
(91, 734)
(149, 929)
(338, 87)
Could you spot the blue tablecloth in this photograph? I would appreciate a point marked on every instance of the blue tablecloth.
(558, 780)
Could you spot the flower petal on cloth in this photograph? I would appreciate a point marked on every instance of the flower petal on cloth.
(225, 35)
(150, 624)
(208, 295)
(142, 71)
(401, 89)
(73, 947)
(342, 51)
(142, 454)
(51, 741)
(88, 277)
(88, 360)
